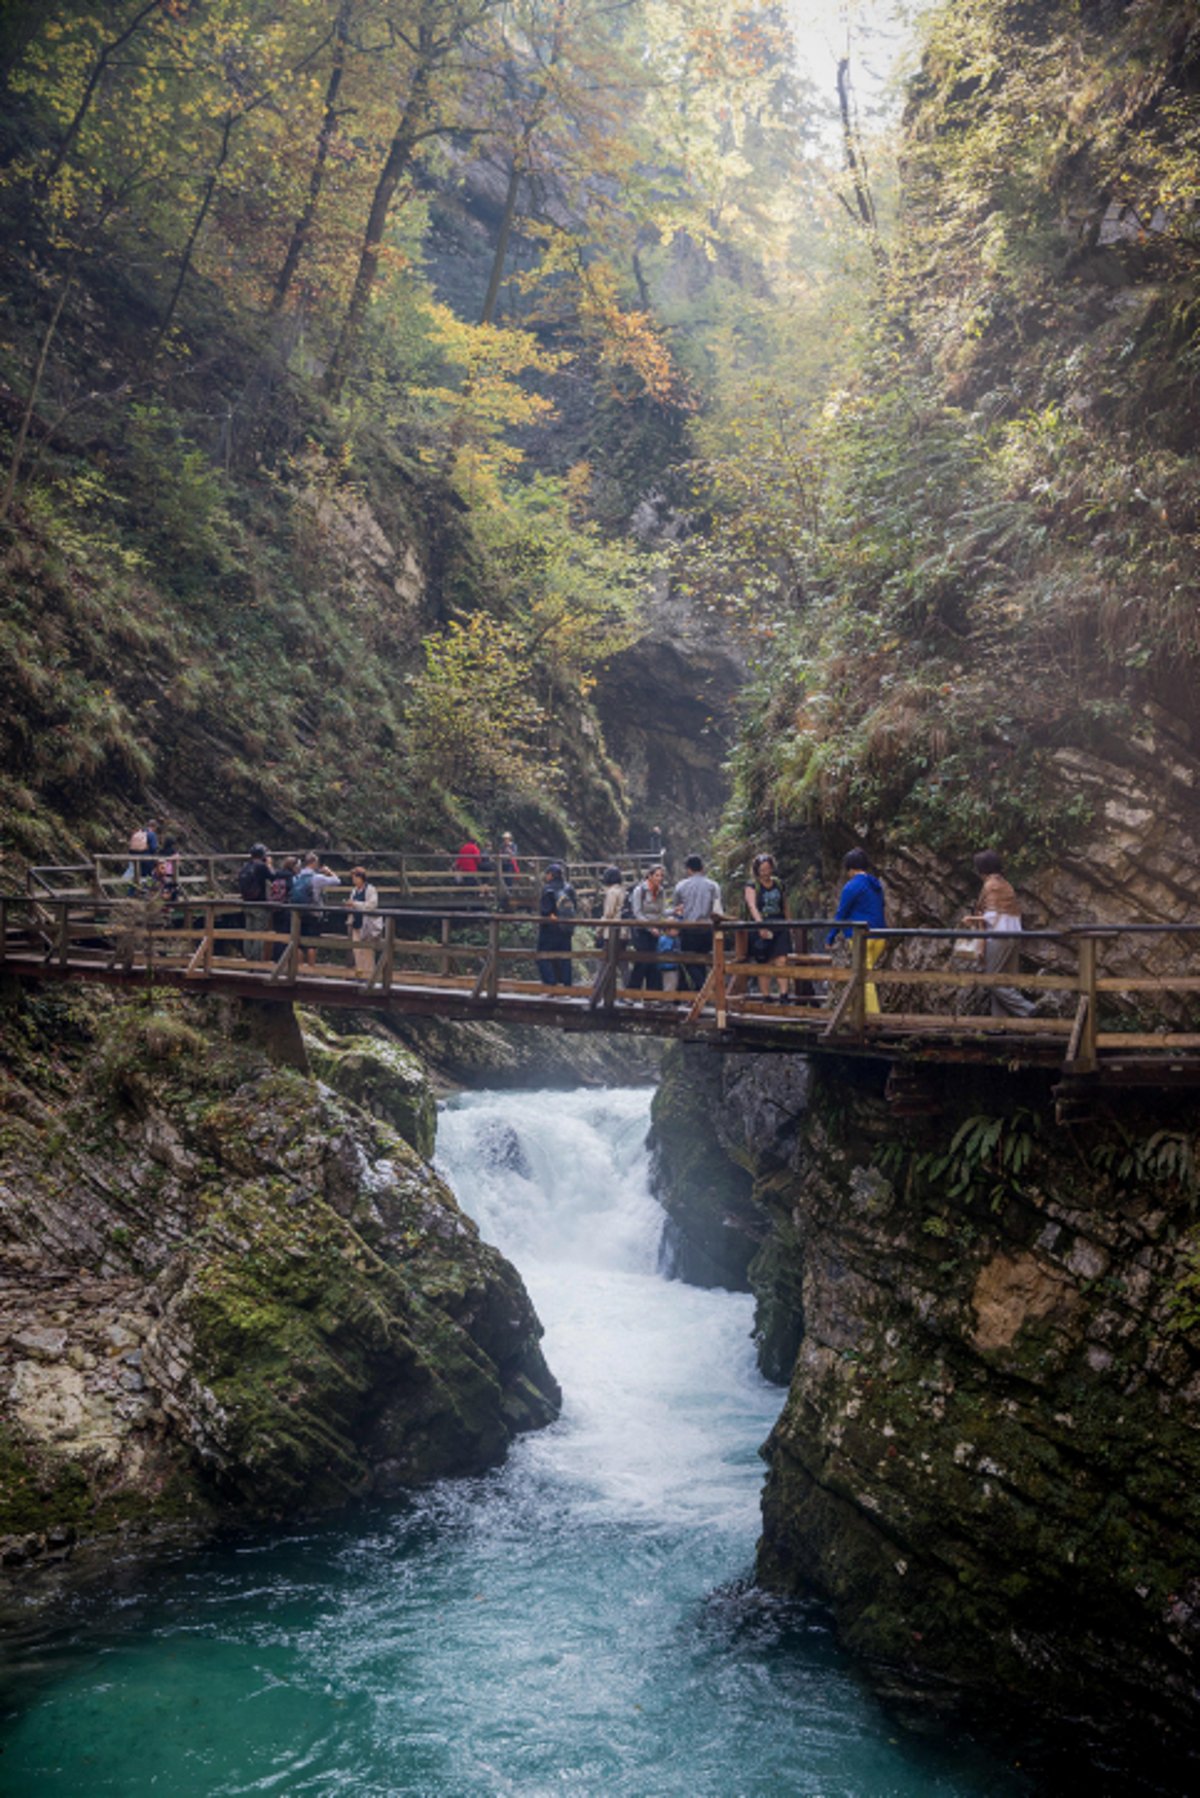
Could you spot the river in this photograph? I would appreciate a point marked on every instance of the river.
(578, 1623)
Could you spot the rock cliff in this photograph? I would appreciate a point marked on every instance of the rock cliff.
(228, 1291)
(989, 1456)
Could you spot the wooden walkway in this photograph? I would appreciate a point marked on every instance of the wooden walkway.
(1115, 1029)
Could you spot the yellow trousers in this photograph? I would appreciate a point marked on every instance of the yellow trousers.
(875, 948)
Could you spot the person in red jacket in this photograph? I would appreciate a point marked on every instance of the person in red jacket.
(466, 864)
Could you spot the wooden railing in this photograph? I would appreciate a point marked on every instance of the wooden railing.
(399, 877)
(464, 963)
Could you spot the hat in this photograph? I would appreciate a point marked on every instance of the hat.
(258, 852)
(555, 869)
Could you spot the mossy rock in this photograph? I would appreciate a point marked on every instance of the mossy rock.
(385, 1079)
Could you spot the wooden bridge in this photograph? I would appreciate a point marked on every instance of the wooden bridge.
(1114, 1028)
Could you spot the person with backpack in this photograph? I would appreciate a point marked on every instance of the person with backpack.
(697, 903)
(144, 842)
(766, 906)
(362, 923)
(861, 902)
(557, 909)
(308, 891)
(279, 891)
(254, 883)
(648, 908)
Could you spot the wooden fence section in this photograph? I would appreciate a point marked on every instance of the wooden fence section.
(457, 964)
(399, 878)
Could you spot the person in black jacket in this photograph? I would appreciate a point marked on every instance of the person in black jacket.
(254, 883)
(555, 933)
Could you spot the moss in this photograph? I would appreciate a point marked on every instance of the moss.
(385, 1079)
(51, 1496)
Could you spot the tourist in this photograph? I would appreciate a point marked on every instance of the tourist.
(364, 928)
(648, 908)
(144, 842)
(697, 903)
(770, 940)
(861, 902)
(466, 864)
(997, 906)
(279, 891)
(163, 884)
(510, 868)
(308, 892)
(254, 880)
(613, 883)
(557, 908)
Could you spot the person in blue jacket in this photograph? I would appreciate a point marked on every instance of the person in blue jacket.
(861, 902)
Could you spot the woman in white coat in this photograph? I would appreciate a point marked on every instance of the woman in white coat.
(364, 925)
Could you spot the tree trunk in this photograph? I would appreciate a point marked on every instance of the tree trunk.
(210, 188)
(399, 158)
(14, 467)
(863, 209)
(496, 278)
(304, 223)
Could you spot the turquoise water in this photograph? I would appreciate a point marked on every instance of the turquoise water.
(578, 1623)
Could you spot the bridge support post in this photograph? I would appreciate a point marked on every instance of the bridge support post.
(492, 983)
(387, 967)
(718, 976)
(857, 1006)
(1086, 1059)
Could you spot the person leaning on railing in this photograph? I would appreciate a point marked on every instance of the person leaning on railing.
(997, 907)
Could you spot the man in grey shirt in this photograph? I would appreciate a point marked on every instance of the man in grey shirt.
(697, 902)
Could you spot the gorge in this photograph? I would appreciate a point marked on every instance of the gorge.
(421, 419)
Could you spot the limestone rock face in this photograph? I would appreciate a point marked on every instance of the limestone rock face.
(714, 1227)
(384, 1078)
(667, 710)
(1138, 861)
(226, 1290)
(989, 1458)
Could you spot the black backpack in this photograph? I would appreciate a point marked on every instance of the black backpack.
(252, 882)
(627, 903)
(565, 907)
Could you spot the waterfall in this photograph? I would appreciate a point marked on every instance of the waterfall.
(663, 1410)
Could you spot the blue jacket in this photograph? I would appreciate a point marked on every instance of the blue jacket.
(861, 903)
